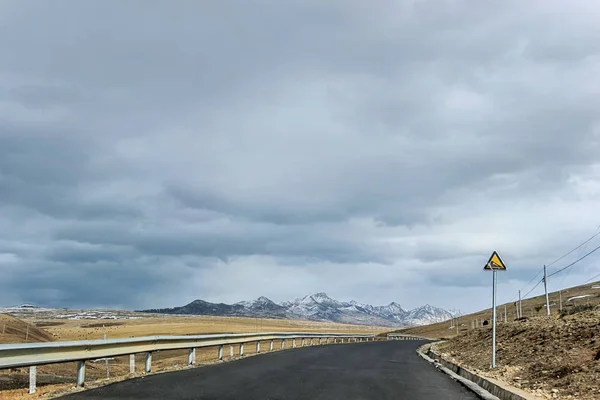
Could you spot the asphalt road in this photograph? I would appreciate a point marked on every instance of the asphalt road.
(376, 370)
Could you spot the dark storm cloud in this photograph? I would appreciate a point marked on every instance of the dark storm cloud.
(161, 146)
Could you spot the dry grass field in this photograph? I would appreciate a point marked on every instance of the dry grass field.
(533, 307)
(557, 357)
(60, 378)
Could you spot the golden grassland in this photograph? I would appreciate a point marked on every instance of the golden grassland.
(57, 379)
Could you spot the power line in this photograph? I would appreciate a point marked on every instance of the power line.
(574, 262)
(581, 251)
(592, 278)
(538, 274)
(542, 280)
(576, 248)
(597, 233)
(528, 283)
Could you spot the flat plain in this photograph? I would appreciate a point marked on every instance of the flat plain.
(55, 325)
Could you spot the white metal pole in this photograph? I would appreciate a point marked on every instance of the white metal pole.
(505, 315)
(494, 320)
(546, 290)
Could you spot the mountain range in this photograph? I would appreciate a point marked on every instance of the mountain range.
(316, 307)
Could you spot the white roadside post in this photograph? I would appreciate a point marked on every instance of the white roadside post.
(271, 345)
(494, 264)
(282, 344)
(191, 356)
(220, 353)
(132, 363)
(80, 373)
(32, 379)
(148, 362)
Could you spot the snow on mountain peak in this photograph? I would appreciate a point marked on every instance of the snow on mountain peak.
(320, 296)
(321, 307)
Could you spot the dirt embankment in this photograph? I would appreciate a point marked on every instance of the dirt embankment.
(14, 330)
(558, 357)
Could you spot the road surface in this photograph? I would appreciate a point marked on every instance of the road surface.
(376, 370)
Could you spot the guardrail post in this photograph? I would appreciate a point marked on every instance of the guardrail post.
(334, 340)
(293, 343)
(132, 363)
(311, 341)
(192, 356)
(80, 373)
(220, 352)
(231, 350)
(32, 379)
(271, 345)
(257, 347)
(319, 340)
(148, 362)
(302, 343)
(241, 349)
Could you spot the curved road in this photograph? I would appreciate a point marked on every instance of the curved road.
(376, 370)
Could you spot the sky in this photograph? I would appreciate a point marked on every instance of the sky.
(156, 152)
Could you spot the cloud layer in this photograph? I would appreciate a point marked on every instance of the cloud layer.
(152, 154)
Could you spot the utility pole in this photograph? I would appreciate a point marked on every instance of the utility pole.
(520, 307)
(546, 290)
(505, 315)
(560, 300)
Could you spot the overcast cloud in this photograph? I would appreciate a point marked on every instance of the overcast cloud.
(155, 152)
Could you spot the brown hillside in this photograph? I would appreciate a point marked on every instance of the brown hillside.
(532, 307)
(14, 330)
(555, 356)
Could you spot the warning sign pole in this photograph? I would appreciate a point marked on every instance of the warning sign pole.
(494, 320)
(495, 263)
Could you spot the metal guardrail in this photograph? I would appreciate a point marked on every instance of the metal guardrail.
(33, 354)
(403, 336)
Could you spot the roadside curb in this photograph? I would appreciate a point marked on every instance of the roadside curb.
(472, 386)
(482, 387)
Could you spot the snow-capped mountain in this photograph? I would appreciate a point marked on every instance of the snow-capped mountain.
(318, 307)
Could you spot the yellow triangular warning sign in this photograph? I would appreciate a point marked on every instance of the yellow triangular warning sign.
(495, 262)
